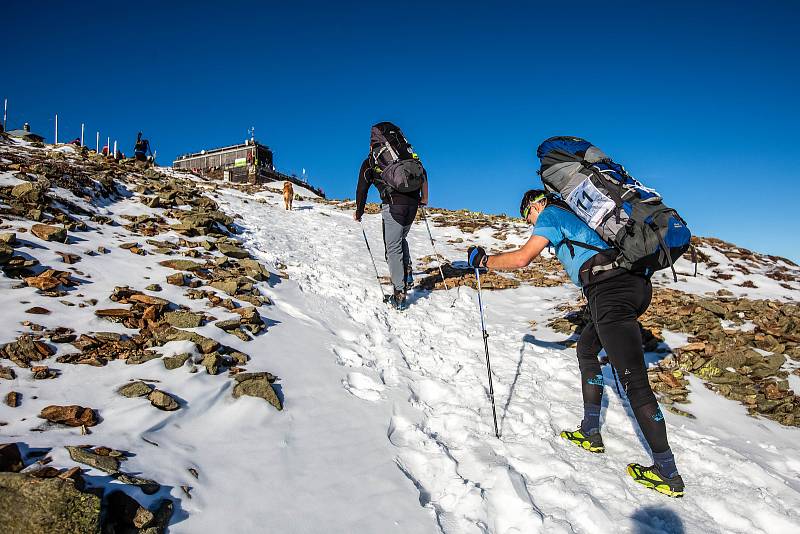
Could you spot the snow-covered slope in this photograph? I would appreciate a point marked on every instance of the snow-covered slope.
(386, 423)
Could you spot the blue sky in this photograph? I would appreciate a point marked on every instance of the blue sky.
(696, 99)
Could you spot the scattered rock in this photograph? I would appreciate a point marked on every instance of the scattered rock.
(213, 363)
(184, 319)
(68, 258)
(163, 401)
(115, 315)
(177, 279)
(8, 238)
(7, 373)
(181, 265)
(140, 357)
(43, 372)
(173, 362)
(148, 487)
(38, 310)
(72, 415)
(10, 459)
(25, 350)
(232, 251)
(135, 389)
(154, 287)
(257, 385)
(12, 399)
(49, 233)
(51, 279)
(106, 463)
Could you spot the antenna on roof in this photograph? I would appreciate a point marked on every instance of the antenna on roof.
(252, 133)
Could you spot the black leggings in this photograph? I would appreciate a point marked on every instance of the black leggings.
(614, 305)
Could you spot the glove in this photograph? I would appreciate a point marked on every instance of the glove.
(476, 257)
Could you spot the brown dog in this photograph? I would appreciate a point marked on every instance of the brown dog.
(288, 195)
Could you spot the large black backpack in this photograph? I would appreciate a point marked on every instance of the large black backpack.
(394, 160)
(648, 234)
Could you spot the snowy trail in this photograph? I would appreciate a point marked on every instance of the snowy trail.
(741, 474)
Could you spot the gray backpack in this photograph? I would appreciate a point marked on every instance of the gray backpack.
(394, 160)
(647, 234)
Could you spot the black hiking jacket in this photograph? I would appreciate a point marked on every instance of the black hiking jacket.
(367, 177)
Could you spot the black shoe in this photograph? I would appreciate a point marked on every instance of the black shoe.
(398, 300)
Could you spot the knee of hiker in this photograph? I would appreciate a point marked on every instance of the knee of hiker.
(637, 388)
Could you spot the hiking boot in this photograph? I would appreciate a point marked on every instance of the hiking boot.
(592, 442)
(398, 300)
(652, 478)
(409, 279)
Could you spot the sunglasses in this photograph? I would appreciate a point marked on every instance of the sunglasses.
(528, 209)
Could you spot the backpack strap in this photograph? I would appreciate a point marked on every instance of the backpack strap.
(666, 250)
(572, 244)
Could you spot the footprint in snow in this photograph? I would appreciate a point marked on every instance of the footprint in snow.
(363, 387)
(347, 357)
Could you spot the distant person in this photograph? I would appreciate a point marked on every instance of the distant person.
(615, 302)
(394, 169)
(288, 195)
(141, 148)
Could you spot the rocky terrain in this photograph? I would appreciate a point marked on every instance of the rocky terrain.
(51, 207)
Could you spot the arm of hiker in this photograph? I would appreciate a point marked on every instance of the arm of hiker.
(424, 200)
(361, 190)
(519, 258)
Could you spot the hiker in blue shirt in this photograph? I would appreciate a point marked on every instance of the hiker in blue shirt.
(616, 298)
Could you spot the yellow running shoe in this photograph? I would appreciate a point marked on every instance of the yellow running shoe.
(592, 442)
(652, 478)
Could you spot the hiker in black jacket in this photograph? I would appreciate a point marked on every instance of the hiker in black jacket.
(398, 210)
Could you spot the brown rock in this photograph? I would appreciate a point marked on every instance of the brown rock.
(7, 373)
(38, 310)
(135, 389)
(68, 258)
(44, 283)
(72, 415)
(115, 315)
(149, 300)
(256, 386)
(83, 455)
(177, 279)
(181, 265)
(163, 401)
(49, 233)
(184, 319)
(10, 458)
(12, 399)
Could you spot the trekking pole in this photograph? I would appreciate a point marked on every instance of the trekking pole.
(486, 348)
(433, 245)
(377, 276)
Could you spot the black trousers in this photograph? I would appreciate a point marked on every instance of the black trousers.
(615, 305)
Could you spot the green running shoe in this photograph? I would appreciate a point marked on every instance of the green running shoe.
(652, 478)
(592, 442)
